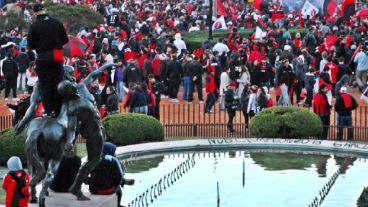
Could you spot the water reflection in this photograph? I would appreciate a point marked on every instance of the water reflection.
(285, 179)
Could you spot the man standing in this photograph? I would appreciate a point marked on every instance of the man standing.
(10, 71)
(47, 36)
(345, 103)
(362, 68)
(23, 64)
(195, 71)
(322, 108)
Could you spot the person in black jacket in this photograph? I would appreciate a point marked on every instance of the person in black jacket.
(112, 100)
(345, 103)
(231, 106)
(132, 74)
(157, 89)
(174, 76)
(47, 36)
(10, 71)
(23, 64)
(195, 72)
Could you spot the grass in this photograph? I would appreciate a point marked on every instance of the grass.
(81, 149)
(2, 196)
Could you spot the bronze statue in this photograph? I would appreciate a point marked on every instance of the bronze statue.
(47, 138)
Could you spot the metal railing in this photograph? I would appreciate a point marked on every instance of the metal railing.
(190, 120)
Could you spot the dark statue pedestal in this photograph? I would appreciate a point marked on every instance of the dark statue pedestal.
(68, 200)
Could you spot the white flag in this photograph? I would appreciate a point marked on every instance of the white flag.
(219, 24)
(309, 9)
(260, 34)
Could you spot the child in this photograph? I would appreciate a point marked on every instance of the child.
(16, 183)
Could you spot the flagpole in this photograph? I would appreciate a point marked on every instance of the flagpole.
(210, 20)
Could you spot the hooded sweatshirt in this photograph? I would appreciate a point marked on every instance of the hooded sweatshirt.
(10, 185)
(179, 44)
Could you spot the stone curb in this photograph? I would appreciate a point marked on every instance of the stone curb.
(299, 145)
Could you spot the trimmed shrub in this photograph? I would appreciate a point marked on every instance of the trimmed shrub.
(12, 20)
(11, 145)
(286, 122)
(194, 40)
(132, 128)
(76, 16)
(363, 198)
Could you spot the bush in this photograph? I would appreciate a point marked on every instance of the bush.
(11, 145)
(12, 20)
(131, 128)
(194, 40)
(76, 16)
(286, 122)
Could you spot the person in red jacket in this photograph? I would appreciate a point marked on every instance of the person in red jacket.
(211, 89)
(16, 183)
(345, 104)
(322, 108)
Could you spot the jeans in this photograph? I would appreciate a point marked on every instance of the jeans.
(120, 90)
(21, 81)
(210, 101)
(140, 109)
(186, 84)
(344, 121)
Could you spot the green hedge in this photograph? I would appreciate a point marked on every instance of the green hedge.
(194, 40)
(12, 20)
(11, 145)
(286, 122)
(132, 128)
(76, 16)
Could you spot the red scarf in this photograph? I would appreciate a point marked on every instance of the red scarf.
(347, 100)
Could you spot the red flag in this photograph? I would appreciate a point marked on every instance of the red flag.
(347, 9)
(330, 41)
(330, 7)
(221, 11)
(257, 4)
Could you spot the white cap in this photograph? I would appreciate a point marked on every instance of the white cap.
(343, 89)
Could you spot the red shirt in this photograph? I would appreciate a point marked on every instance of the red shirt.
(156, 66)
(320, 104)
(210, 84)
(9, 186)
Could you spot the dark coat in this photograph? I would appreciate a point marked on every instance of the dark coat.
(10, 68)
(46, 34)
(174, 71)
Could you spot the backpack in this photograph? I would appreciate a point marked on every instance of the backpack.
(105, 176)
(19, 191)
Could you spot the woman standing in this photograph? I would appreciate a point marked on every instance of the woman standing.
(243, 80)
(253, 103)
(231, 105)
(112, 104)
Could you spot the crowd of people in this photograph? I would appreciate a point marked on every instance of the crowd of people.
(144, 40)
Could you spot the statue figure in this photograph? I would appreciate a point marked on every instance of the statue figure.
(47, 138)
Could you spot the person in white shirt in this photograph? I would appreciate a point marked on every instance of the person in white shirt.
(194, 28)
(243, 80)
(224, 82)
(179, 44)
(220, 47)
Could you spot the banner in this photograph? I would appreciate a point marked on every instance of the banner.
(219, 24)
(309, 10)
(260, 34)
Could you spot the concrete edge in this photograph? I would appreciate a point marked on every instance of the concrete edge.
(342, 148)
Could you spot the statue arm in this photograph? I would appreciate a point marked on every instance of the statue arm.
(95, 74)
(30, 113)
